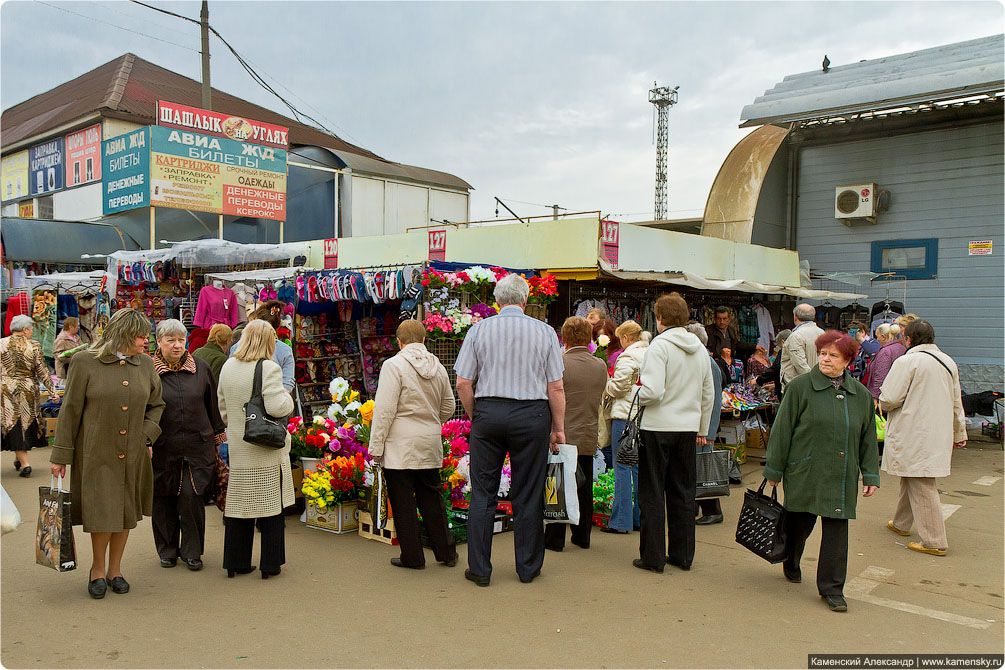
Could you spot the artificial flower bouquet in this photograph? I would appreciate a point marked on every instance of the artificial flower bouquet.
(454, 321)
(455, 474)
(599, 348)
(337, 480)
(310, 439)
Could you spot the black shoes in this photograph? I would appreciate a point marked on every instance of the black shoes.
(477, 579)
(451, 563)
(794, 576)
(96, 587)
(581, 545)
(396, 562)
(270, 573)
(735, 480)
(682, 566)
(532, 577)
(17, 466)
(708, 520)
(118, 584)
(193, 563)
(836, 603)
(642, 566)
(239, 571)
(613, 530)
(26, 471)
(169, 562)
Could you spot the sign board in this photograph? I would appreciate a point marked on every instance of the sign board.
(331, 253)
(610, 232)
(83, 156)
(437, 245)
(980, 247)
(45, 167)
(15, 175)
(183, 117)
(26, 209)
(205, 173)
(125, 165)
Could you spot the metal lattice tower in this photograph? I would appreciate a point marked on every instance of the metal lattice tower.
(663, 98)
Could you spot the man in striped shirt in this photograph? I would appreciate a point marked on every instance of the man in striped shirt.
(509, 379)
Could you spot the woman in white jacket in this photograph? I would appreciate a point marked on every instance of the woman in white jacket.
(677, 395)
(621, 390)
(413, 399)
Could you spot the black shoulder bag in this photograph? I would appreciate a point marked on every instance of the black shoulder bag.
(628, 452)
(260, 428)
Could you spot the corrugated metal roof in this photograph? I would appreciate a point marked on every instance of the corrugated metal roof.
(129, 88)
(940, 73)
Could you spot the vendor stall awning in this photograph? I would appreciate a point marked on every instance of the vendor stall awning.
(702, 283)
(42, 241)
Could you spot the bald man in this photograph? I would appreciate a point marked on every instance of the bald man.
(799, 353)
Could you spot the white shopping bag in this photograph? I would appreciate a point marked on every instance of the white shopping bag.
(10, 518)
(561, 503)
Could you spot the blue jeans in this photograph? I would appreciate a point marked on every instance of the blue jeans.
(625, 513)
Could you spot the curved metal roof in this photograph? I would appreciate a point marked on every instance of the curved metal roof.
(941, 73)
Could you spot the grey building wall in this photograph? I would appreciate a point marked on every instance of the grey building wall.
(946, 184)
(769, 216)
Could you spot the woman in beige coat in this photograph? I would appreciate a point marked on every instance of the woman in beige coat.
(413, 399)
(110, 416)
(926, 422)
(261, 483)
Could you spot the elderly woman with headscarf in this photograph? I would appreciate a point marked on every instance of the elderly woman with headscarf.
(66, 343)
(23, 367)
(184, 457)
(109, 420)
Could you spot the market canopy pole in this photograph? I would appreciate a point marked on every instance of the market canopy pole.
(153, 237)
(221, 226)
(207, 94)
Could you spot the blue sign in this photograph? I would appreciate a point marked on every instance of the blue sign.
(125, 171)
(45, 167)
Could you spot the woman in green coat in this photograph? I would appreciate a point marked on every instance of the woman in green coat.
(823, 437)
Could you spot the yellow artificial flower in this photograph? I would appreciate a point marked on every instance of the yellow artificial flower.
(366, 411)
(353, 396)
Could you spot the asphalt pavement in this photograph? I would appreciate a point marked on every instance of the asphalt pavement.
(339, 603)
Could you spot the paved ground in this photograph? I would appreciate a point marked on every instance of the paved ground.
(339, 603)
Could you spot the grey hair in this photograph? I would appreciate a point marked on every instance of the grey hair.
(781, 336)
(120, 332)
(512, 290)
(20, 322)
(698, 330)
(170, 327)
(804, 312)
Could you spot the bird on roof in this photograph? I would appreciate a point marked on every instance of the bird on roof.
(826, 63)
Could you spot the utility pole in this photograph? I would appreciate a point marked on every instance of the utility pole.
(207, 96)
(663, 98)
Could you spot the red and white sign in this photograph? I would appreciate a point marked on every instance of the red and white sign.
(331, 253)
(183, 117)
(83, 156)
(437, 245)
(609, 240)
(980, 247)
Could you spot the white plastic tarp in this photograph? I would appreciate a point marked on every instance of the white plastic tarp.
(89, 279)
(268, 274)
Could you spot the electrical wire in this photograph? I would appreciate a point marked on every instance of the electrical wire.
(114, 25)
(521, 202)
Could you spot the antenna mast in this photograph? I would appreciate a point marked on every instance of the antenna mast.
(663, 98)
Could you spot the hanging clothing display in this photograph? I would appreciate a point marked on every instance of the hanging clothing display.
(43, 311)
(765, 328)
(216, 305)
(16, 306)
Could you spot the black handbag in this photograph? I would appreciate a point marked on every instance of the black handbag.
(259, 427)
(631, 439)
(712, 469)
(761, 527)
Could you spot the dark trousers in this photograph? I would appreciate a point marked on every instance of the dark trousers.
(185, 515)
(709, 506)
(554, 533)
(239, 537)
(667, 481)
(522, 428)
(406, 490)
(832, 566)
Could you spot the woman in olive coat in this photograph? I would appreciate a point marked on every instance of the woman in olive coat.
(823, 437)
(109, 418)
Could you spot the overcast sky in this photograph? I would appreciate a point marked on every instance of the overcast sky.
(537, 103)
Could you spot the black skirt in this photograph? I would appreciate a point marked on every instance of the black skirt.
(17, 439)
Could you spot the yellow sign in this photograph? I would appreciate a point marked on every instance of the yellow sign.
(980, 247)
(26, 209)
(15, 176)
(185, 183)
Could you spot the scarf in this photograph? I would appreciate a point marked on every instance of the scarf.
(186, 363)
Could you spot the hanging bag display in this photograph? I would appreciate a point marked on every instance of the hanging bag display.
(259, 427)
(761, 527)
(712, 469)
(561, 501)
(54, 546)
(631, 439)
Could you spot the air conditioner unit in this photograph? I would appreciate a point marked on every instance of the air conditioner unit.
(855, 202)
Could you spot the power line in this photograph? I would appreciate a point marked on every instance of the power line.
(114, 25)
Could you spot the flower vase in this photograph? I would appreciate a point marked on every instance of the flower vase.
(309, 464)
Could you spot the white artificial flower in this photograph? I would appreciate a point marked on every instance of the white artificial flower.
(603, 340)
(319, 420)
(337, 388)
(335, 412)
(352, 407)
